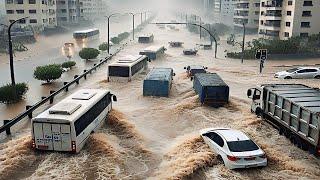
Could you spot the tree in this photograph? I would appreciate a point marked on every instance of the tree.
(6, 93)
(115, 40)
(103, 46)
(68, 64)
(89, 53)
(48, 73)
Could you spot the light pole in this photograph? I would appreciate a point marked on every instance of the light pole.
(109, 30)
(141, 17)
(133, 23)
(13, 82)
(243, 41)
(195, 18)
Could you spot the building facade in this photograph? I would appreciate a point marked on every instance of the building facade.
(286, 18)
(41, 13)
(246, 12)
(224, 11)
(208, 6)
(93, 9)
(68, 12)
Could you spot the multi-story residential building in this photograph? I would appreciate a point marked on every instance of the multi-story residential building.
(68, 12)
(224, 11)
(93, 9)
(208, 6)
(246, 12)
(286, 18)
(40, 13)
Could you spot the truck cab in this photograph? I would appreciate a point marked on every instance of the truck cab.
(257, 100)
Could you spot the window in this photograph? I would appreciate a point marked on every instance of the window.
(32, 11)
(83, 122)
(20, 11)
(307, 3)
(302, 71)
(32, 21)
(286, 34)
(305, 24)
(242, 146)
(311, 70)
(10, 11)
(288, 13)
(306, 13)
(9, 1)
(19, 1)
(32, 1)
(118, 71)
(290, 3)
(215, 138)
(22, 21)
(288, 24)
(137, 67)
(261, 22)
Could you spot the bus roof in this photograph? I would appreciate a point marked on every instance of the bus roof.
(128, 60)
(74, 106)
(145, 35)
(86, 31)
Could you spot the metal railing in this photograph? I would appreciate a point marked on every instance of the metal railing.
(30, 109)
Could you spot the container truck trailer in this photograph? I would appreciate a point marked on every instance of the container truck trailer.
(294, 109)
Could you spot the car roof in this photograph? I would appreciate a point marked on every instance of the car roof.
(232, 135)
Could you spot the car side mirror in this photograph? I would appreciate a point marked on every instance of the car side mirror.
(191, 79)
(174, 74)
(206, 68)
(114, 98)
(185, 68)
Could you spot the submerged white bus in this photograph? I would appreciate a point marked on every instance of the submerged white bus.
(86, 35)
(67, 125)
(127, 67)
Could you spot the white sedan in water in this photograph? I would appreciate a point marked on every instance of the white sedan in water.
(234, 148)
(299, 73)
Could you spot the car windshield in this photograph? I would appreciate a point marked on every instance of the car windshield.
(242, 146)
(292, 70)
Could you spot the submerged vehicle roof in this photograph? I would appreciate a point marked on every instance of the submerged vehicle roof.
(161, 74)
(128, 60)
(210, 79)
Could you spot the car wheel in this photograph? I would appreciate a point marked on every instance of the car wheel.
(288, 77)
(317, 77)
(220, 160)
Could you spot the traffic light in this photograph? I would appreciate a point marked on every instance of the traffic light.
(258, 54)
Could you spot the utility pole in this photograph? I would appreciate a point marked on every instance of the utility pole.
(243, 42)
(141, 18)
(133, 15)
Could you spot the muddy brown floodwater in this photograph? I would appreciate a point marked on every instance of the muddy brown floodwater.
(158, 138)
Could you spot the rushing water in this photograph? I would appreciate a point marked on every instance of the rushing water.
(157, 138)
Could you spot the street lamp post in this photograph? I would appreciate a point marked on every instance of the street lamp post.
(13, 82)
(243, 42)
(200, 20)
(109, 30)
(133, 15)
(141, 18)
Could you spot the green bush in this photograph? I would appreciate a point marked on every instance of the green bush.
(6, 92)
(115, 40)
(123, 36)
(68, 64)
(103, 46)
(48, 73)
(89, 53)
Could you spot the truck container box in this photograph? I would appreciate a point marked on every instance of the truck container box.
(211, 88)
(153, 52)
(146, 38)
(158, 82)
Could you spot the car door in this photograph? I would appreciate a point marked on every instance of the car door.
(311, 73)
(300, 74)
(216, 142)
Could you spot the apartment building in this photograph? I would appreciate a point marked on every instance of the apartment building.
(208, 6)
(41, 13)
(93, 9)
(246, 12)
(68, 12)
(286, 18)
(224, 11)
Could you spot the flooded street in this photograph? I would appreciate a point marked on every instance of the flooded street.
(158, 138)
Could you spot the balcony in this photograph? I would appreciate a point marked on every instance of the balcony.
(273, 3)
(269, 24)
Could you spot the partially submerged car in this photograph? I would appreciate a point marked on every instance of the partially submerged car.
(194, 69)
(299, 73)
(175, 43)
(190, 51)
(234, 148)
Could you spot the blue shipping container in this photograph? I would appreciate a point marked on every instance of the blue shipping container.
(158, 82)
(211, 88)
(153, 52)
